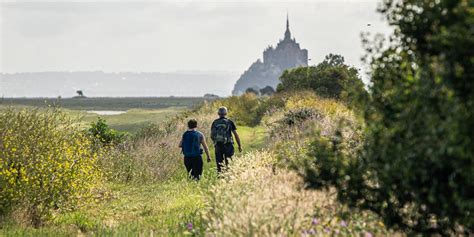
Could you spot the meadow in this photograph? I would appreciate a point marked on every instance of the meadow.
(136, 112)
(143, 189)
(106, 103)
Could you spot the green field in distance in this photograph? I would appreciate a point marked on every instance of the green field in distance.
(135, 112)
(106, 103)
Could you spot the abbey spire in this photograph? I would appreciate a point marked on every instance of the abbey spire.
(262, 73)
(287, 32)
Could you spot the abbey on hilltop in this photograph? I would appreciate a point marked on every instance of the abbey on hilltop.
(287, 54)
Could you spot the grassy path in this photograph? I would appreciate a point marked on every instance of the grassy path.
(147, 209)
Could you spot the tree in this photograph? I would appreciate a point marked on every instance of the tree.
(252, 90)
(416, 168)
(331, 78)
(268, 90)
(80, 93)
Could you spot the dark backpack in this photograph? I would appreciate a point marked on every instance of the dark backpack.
(191, 146)
(220, 131)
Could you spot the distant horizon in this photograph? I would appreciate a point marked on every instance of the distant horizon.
(104, 97)
(181, 41)
(117, 84)
(177, 71)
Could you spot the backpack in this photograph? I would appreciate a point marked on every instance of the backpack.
(220, 131)
(191, 146)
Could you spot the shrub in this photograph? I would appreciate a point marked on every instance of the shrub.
(258, 198)
(259, 195)
(46, 163)
(416, 166)
(107, 136)
(329, 79)
(309, 133)
(244, 108)
(298, 116)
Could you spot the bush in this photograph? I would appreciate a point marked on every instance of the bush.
(298, 116)
(258, 198)
(243, 109)
(107, 136)
(46, 163)
(416, 167)
(309, 133)
(329, 79)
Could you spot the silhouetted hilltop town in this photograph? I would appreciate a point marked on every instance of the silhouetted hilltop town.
(287, 54)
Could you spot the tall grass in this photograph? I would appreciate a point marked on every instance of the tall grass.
(153, 154)
(264, 193)
(258, 198)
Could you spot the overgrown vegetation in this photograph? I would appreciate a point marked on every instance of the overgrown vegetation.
(331, 78)
(105, 135)
(272, 198)
(47, 164)
(399, 161)
(150, 163)
(416, 166)
(152, 155)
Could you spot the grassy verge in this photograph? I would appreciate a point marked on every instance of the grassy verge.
(166, 208)
(261, 194)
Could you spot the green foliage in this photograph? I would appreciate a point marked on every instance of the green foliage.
(268, 90)
(107, 136)
(243, 109)
(46, 163)
(416, 168)
(257, 195)
(252, 90)
(298, 116)
(329, 79)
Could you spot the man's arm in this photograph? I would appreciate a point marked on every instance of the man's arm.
(237, 138)
(181, 143)
(206, 149)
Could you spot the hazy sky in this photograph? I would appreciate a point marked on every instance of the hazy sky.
(164, 36)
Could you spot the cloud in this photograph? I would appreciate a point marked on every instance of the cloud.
(168, 36)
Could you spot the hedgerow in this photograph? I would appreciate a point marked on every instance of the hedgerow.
(415, 168)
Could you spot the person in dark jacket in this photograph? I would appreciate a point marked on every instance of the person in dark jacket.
(190, 145)
(221, 134)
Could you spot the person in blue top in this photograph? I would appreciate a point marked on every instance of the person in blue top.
(190, 145)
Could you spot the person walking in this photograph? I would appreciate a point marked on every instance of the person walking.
(190, 145)
(221, 135)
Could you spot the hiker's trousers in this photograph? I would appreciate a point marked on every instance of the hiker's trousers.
(194, 166)
(224, 152)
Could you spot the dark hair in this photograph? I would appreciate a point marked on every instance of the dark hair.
(192, 123)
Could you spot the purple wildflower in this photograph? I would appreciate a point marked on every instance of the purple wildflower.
(327, 230)
(343, 224)
(190, 226)
(368, 234)
(312, 232)
(315, 221)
